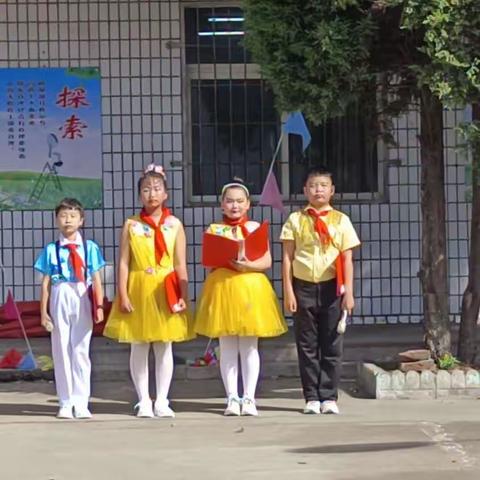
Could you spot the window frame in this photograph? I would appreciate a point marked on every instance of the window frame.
(251, 71)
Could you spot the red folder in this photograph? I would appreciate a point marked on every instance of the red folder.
(172, 291)
(256, 244)
(93, 303)
(219, 251)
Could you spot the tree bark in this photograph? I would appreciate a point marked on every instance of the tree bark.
(467, 348)
(433, 273)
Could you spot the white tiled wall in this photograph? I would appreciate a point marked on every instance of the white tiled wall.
(142, 122)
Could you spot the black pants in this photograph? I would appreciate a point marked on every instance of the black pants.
(319, 346)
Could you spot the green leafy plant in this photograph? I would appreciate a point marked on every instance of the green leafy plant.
(447, 362)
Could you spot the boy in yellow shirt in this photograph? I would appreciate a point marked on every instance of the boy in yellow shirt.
(318, 286)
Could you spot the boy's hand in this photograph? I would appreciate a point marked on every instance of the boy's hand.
(100, 315)
(290, 302)
(348, 302)
(46, 322)
(125, 305)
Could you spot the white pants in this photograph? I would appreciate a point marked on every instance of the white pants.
(163, 369)
(72, 319)
(230, 348)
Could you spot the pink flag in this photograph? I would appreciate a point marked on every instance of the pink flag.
(271, 194)
(10, 308)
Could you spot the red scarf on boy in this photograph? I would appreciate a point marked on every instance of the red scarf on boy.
(160, 245)
(325, 238)
(76, 261)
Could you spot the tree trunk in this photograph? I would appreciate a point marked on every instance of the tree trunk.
(467, 348)
(433, 272)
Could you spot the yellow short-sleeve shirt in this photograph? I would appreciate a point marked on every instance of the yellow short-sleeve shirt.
(314, 262)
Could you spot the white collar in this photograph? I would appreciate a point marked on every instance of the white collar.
(78, 240)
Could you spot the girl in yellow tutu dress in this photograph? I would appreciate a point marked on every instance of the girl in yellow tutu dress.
(152, 247)
(238, 305)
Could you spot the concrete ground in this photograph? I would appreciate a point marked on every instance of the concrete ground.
(371, 439)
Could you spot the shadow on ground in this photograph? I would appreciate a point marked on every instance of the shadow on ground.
(361, 447)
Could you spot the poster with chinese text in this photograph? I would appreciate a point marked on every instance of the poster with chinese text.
(50, 137)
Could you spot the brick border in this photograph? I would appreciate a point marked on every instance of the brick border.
(381, 384)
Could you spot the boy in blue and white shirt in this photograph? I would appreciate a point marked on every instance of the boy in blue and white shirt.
(66, 309)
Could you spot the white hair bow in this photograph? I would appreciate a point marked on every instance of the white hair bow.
(155, 168)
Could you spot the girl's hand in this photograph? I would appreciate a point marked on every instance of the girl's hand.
(125, 305)
(182, 305)
(348, 303)
(243, 265)
(100, 315)
(290, 302)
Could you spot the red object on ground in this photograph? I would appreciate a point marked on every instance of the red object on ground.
(11, 359)
(30, 312)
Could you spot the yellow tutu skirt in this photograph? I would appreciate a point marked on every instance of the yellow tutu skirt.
(241, 304)
(151, 319)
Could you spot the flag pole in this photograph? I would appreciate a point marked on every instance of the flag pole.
(208, 346)
(19, 317)
(277, 149)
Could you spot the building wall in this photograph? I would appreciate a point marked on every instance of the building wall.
(138, 47)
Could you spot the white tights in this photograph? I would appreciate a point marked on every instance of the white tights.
(230, 348)
(163, 369)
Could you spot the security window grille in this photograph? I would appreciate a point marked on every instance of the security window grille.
(234, 132)
(214, 35)
(345, 146)
(233, 127)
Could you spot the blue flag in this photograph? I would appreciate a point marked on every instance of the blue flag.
(295, 124)
(28, 362)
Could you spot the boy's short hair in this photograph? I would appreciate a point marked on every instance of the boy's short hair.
(70, 204)
(318, 171)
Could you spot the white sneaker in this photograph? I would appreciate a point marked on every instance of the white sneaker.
(312, 407)
(144, 409)
(330, 407)
(65, 412)
(233, 407)
(82, 413)
(249, 408)
(161, 409)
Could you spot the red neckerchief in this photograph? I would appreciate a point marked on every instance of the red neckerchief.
(239, 222)
(76, 261)
(320, 226)
(325, 238)
(160, 245)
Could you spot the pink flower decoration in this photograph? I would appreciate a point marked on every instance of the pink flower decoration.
(155, 168)
(170, 222)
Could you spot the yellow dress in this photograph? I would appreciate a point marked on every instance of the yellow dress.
(151, 320)
(235, 303)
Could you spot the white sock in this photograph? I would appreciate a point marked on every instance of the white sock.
(139, 369)
(250, 365)
(163, 368)
(229, 364)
